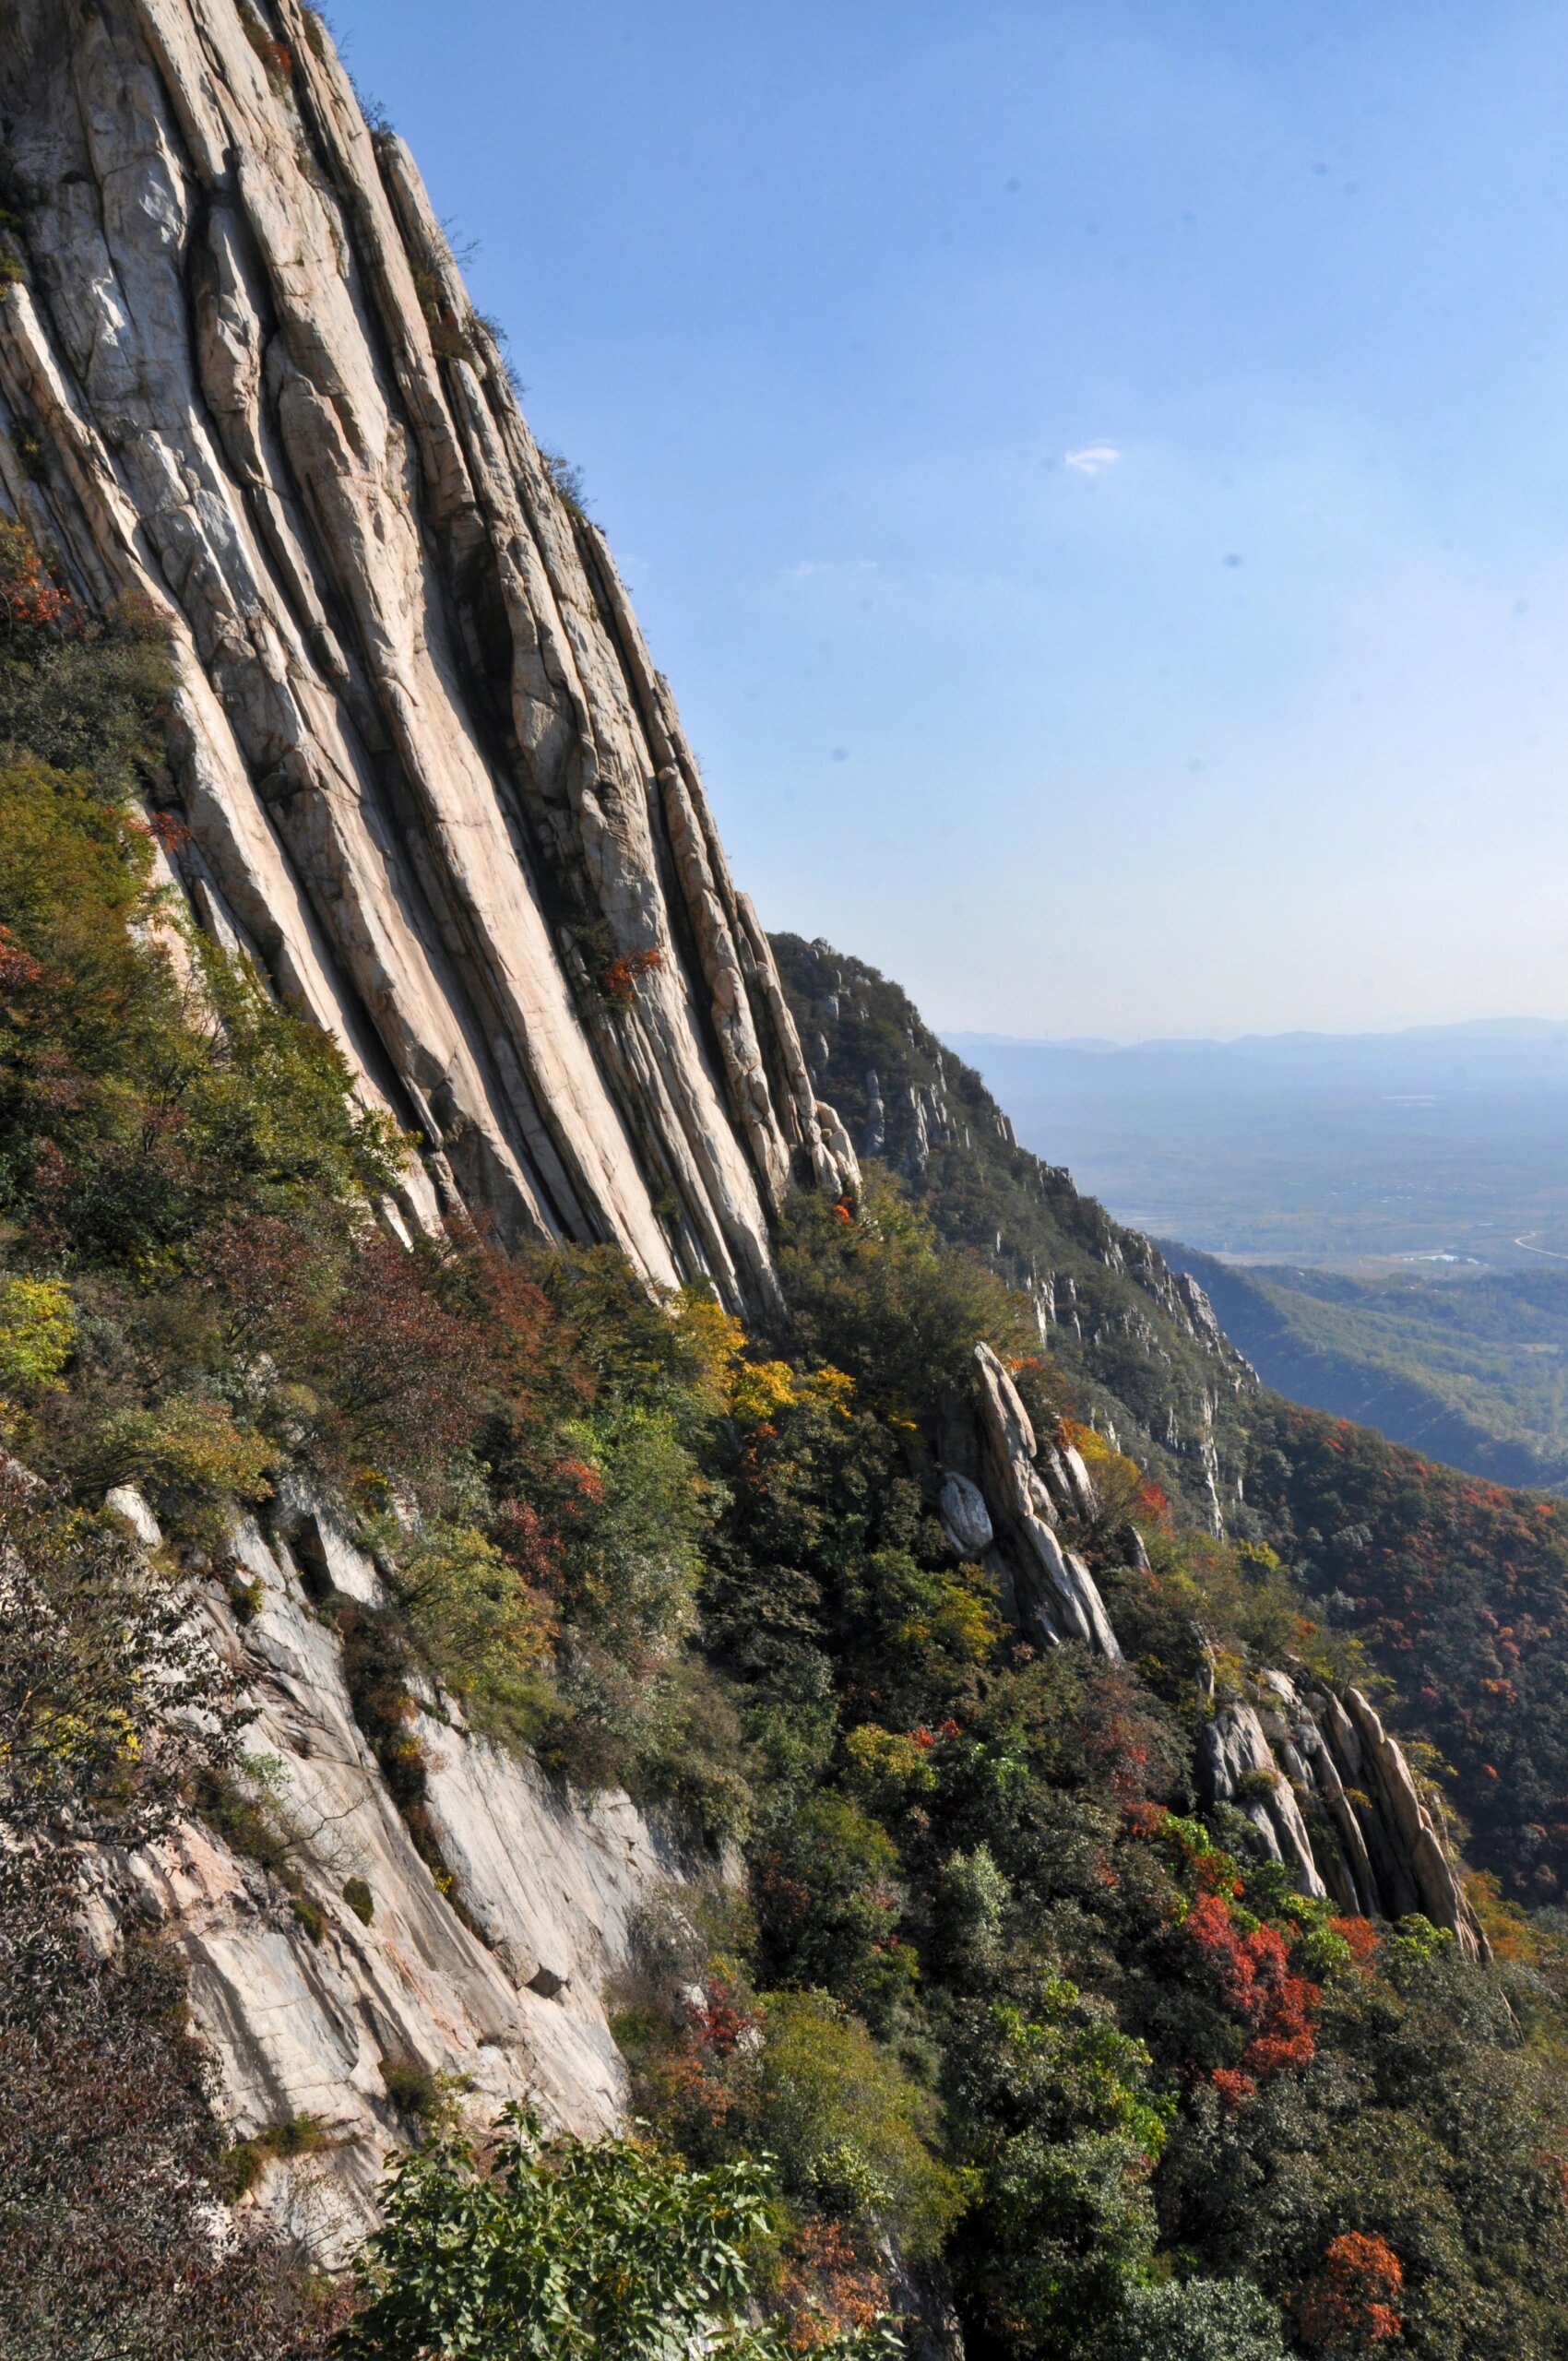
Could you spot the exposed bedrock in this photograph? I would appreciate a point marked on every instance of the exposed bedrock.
(1331, 1794)
(1327, 1789)
(432, 781)
(491, 1972)
(1004, 1493)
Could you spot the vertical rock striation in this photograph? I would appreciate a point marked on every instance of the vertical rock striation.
(1001, 1499)
(488, 1978)
(432, 782)
(1330, 1793)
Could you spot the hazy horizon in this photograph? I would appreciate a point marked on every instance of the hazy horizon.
(1439, 1140)
(1497, 1028)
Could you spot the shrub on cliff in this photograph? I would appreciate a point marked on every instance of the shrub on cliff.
(567, 2248)
(871, 1291)
(111, 1707)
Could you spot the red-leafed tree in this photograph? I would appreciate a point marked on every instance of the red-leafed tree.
(1349, 2306)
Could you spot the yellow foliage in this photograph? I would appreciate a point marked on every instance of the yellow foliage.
(37, 1331)
(191, 1456)
(77, 1737)
(833, 1388)
(1118, 1482)
(761, 1389)
(963, 1629)
(714, 1339)
(886, 1766)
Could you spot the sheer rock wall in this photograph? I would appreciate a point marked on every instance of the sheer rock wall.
(432, 779)
(1330, 1793)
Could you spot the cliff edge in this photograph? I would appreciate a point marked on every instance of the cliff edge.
(424, 769)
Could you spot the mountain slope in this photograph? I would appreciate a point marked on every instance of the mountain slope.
(423, 768)
(1139, 1342)
(1456, 1589)
(1466, 1368)
(441, 1664)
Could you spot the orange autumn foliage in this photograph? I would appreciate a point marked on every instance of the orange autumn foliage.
(1348, 2308)
(1255, 1984)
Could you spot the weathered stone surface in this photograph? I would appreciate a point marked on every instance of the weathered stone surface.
(1377, 1849)
(1412, 1834)
(300, 2025)
(434, 784)
(965, 1515)
(1056, 1597)
(1239, 1767)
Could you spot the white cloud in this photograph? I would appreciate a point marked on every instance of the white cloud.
(1092, 460)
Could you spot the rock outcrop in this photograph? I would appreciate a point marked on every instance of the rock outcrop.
(1330, 1793)
(1002, 1501)
(430, 778)
(331, 1995)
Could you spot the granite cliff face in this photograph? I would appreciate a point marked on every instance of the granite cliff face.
(424, 769)
(487, 1975)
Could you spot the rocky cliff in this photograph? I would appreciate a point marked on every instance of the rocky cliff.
(351, 1975)
(424, 769)
(942, 1646)
(1328, 1791)
(1146, 1357)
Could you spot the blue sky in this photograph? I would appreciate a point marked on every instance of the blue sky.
(1096, 477)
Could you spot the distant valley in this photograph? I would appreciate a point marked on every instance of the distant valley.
(1380, 1220)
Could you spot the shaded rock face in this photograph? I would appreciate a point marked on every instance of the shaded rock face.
(432, 779)
(500, 1982)
(1330, 1793)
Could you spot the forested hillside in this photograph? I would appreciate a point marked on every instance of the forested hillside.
(992, 2015)
(1463, 1364)
(620, 1736)
(1456, 1589)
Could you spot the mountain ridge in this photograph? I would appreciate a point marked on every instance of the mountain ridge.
(635, 1713)
(425, 771)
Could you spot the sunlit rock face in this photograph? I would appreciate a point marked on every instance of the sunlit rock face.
(424, 769)
(491, 1978)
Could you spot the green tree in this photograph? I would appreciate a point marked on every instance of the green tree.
(551, 2249)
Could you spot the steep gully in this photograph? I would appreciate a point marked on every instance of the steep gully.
(425, 774)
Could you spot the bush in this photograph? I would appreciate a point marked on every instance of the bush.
(238, 2169)
(1195, 2319)
(38, 1332)
(190, 1458)
(1052, 2111)
(852, 2132)
(829, 1902)
(109, 1700)
(182, 1102)
(871, 1292)
(479, 1627)
(562, 2248)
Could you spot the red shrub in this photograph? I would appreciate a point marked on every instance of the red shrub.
(1348, 2307)
(1359, 1933)
(1255, 1985)
(29, 600)
(1234, 2087)
(618, 980)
